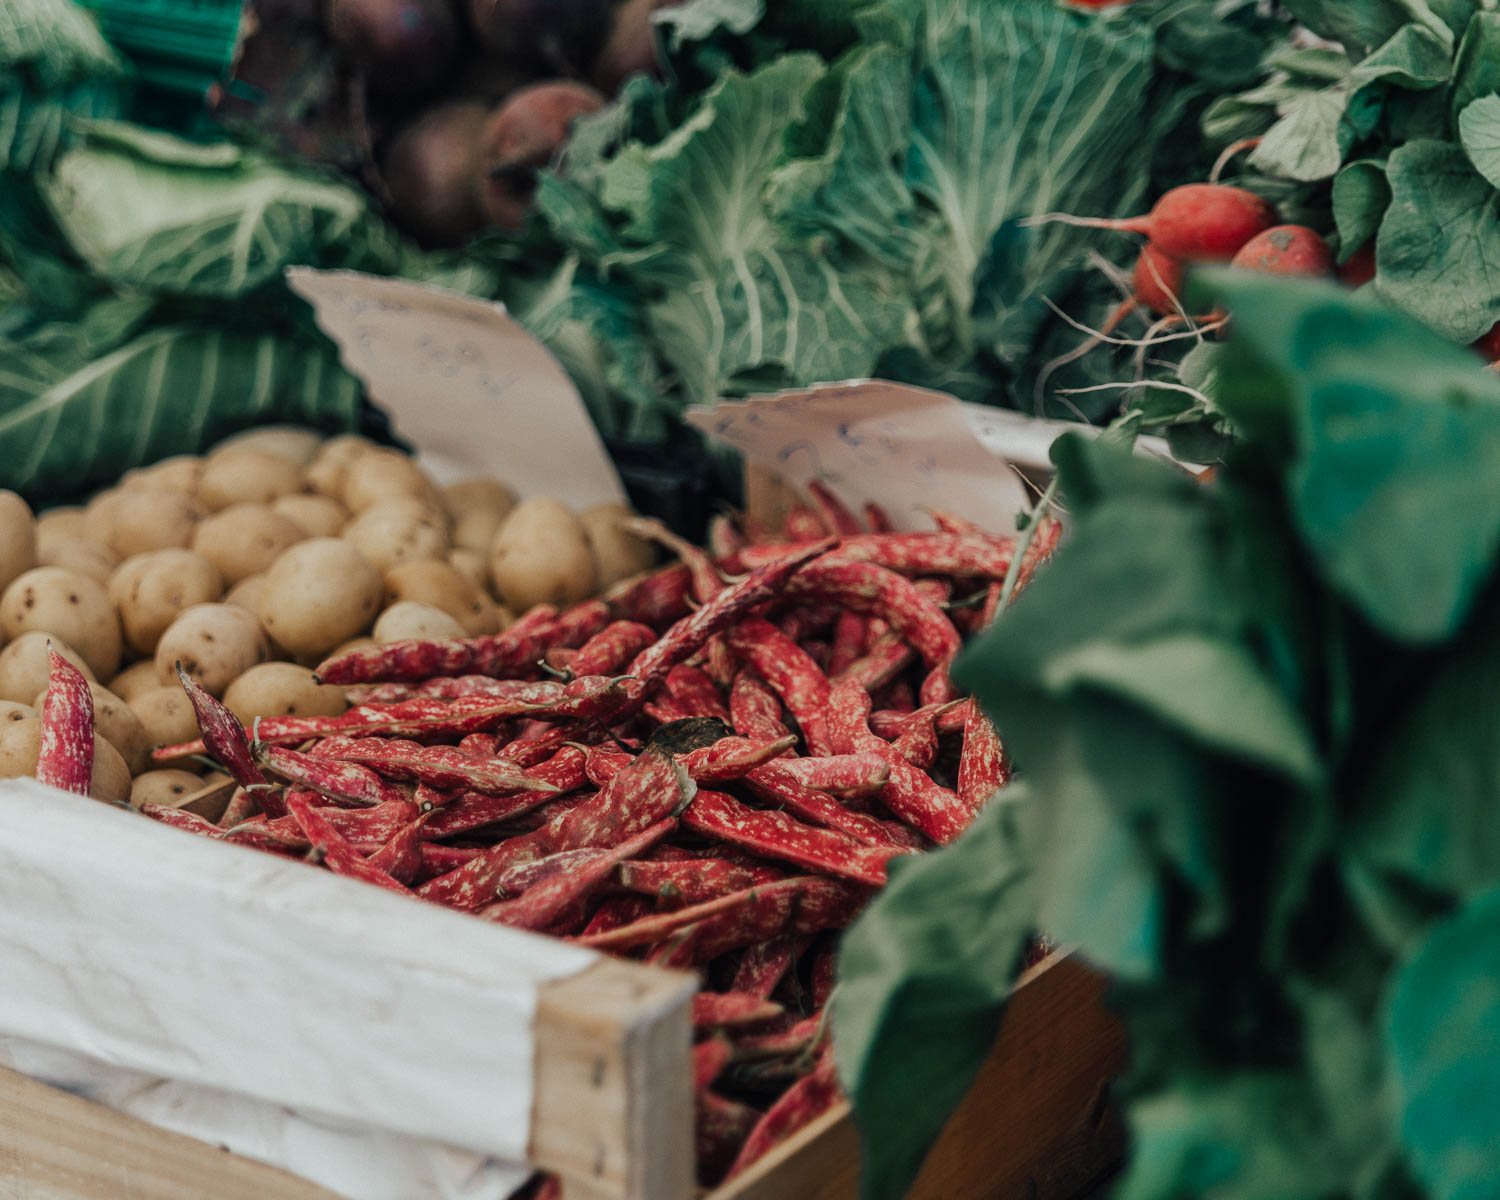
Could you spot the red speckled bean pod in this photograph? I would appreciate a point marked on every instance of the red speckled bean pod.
(851, 634)
(695, 881)
(340, 857)
(178, 819)
(443, 766)
(791, 1042)
(544, 902)
(723, 611)
(710, 1057)
(779, 836)
(786, 667)
(754, 709)
(517, 648)
(832, 511)
(474, 810)
(761, 967)
(775, 784)
(801, 1104)
(725, 541)
(330, 777)
(578, 625)
(779, 896)
(652, 788)
(878, 519)
(897, 697)
(948, 522)
(974, 555)
(242, 806)
(732, 1009)
(657, 599)
(401, 856)
(480, 745)
(366, 829)
(612, 649)
(706, 580)
(983, 766)
(909, 794)
(820, 904)
(824, 974)
(692, 690)
(616, 911)
(727, 759)
(439, 860)
(223, 735)
(378, 693)
(664, 710)
(802, 524)
(851, 776)
(720, 1127)
(917, 742)
(66, 757)
(887, 657)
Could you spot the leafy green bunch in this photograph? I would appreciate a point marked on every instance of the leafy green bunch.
(1394, 124)
(1256, 725)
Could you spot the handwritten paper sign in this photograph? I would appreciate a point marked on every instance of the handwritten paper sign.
(465, 384)
(906, 448)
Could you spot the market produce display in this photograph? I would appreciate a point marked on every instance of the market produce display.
(710, 767)
(248, 566)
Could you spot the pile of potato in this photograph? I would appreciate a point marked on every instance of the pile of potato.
(252, 564)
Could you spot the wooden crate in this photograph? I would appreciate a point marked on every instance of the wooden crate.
(612, 1112)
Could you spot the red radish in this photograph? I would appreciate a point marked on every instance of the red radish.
(1158, 280)
(1197, 222)
(1488, 346)
(1286, 250)
(1360, 267)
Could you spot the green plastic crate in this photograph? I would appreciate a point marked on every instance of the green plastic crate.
(176, 46)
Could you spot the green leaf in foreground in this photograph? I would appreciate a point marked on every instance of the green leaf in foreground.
(1360, 197)
(1438, 251)
(1397, 436)
(923, 975)
(1479, 133)
(1441, 1034)
(168, 391)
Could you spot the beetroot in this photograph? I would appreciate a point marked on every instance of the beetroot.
(429, 170)
(564, 34)
(522, 136)
(631, 46)
(402, 46)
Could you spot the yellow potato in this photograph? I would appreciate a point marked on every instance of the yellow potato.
(383, 474)
(319, 593)
(355, 643)
(317, 516)
(541, 555)
(476, 529)
(245, 539)
(168, 787)
(247, 476)
(77, 554)
(281, 689)
(166, 715)
(389, 535)
(215, 643)
(153, 519)
(116, 722)
(66, 520)
(247, 592)
(445, 587)
(408, 619)
(17, 538)
(151, 590)
(471, 565)
(482, 494)
(135, 679)
(178, 474)
(617, 554)
(25, 666)
(294, 443)
(69, 605)
(21, 743)
(325, 474)
(99, 516)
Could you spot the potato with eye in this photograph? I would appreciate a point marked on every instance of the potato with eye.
(381, 475)
(245, 539)
(21, 743)
(281, 689)
(387, 535)
(168, 787)
(178, 474)
(442, 586)
(247, 476)
(316, 516)
(167, 716)
(319, 593)
(69, 605)
(215, 643)
(18, 549)
(77, 554)
(541, 555)
(326, 472)
(10, 711)
(25, 665)
(295, 443)
(618, 553)
(116, 722)
(407, 620)
(151, 590)
(153, 519)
